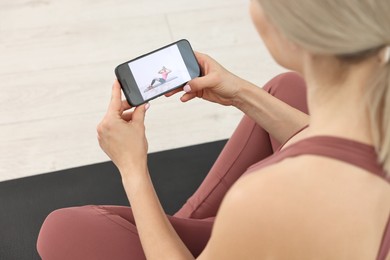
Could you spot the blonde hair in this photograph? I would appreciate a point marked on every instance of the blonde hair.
(349, 30)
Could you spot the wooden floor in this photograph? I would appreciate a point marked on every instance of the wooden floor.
(56, 70)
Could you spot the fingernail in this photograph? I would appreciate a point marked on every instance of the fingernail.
(187, 88)
(147, 106)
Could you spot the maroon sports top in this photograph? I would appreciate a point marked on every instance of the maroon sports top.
(349, 151)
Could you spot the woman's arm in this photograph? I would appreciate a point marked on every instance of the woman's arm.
(158, 238)
(276, 117)
(221, 86)
(121, 135)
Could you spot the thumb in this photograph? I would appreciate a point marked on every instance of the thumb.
(198, 84)
(139, 113)
(116, 100)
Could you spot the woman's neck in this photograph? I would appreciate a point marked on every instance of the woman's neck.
(339, 108)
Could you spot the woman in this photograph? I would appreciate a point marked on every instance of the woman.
(322, 195)
(164, 75)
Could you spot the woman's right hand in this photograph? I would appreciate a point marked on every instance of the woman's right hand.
(216, 83)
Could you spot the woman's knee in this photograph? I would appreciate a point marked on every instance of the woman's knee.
(89, 232)
(61, 230)
(284, 80)
(289, 87)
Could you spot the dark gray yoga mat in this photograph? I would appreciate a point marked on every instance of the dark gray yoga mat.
(26, 202)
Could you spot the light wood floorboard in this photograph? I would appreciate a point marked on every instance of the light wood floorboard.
(56, 69)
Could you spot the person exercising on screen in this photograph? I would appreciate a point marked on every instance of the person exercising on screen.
(164, 75)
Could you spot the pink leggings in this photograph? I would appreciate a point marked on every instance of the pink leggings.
(109, 232)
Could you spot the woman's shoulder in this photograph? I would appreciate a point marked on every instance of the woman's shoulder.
(299, 207)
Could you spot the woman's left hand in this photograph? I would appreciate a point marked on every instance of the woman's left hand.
(121, 134)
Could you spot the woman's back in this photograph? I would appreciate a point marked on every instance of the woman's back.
(340, 210)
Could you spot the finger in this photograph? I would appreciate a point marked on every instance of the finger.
(188, 96)
(200, 56)
(127, 116)
(116, 99)
(198, 84)
(125, 105)
(173, 92)
(203, 61)
(139, 113)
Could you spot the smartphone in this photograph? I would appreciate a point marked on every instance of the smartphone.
(158, 72)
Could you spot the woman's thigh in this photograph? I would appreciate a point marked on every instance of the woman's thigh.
(249, 144)
(107, 232)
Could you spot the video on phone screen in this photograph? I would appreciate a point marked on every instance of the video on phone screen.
(159, 72)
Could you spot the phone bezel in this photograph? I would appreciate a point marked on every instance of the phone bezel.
(129, 85)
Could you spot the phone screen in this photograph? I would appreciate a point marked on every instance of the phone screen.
(158, 72)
